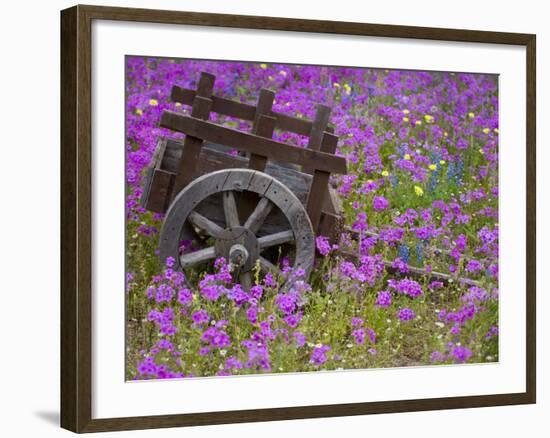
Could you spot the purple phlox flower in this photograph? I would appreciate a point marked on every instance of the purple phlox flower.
(200, 317)
(292, 320)
(323, 245)
(406, 287)
(380, 203)
(461, 354)
(406, 314)
(474, 266)
(319, 355)
(475, 294)
(383, 299)
(217, 338)
(359, 336)
(400, 265)
(493, 331)
(300, 339)
(185, 297)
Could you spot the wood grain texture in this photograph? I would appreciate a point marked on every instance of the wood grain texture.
(320, 124)
(245, 111)
(245, 142)
(192, 145)
(76, 267)
(319, 186)
(239, 180)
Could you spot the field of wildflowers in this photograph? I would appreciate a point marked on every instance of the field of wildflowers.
(421, 197)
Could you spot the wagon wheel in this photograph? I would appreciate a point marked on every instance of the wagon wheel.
(237, 242)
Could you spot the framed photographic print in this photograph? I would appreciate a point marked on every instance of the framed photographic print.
(269, 218)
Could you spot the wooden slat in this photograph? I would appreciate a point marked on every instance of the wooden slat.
(230, 209)
(257, 218)
(203, 223)
(276, 239)
(158, 190)
(192, 145)
(263, 108)
(244, 111)
(200, 256)
(242, 141)
(319, 185)
(265, 127)
(220, 105)
(320, 123)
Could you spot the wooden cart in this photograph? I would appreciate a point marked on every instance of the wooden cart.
(242, 206)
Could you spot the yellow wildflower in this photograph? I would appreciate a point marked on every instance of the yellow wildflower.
(418, 122)
(471, 115)
(481, 151)
(347, 88)
(153, 102)
(418, 191)
(405, 119)
(442, 162)
(496, 130)
(428, 118)
(432, 167)
(385, 173)
(282, 73)
(407, 157)
(445, 134)
(263, 66)
(178, 104)
(406, 111)
(139, 112)
(336, 85)
(486, 130)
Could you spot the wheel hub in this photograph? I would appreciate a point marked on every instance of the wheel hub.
(239, 246)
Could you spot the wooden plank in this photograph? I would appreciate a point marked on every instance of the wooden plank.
(230, 209)
(200, 256)
(332, 221)
(158, 190)
(220, 105)
(276, 239)
(320, 123)
(319, 185)
(203, 223)
(258, 216)
(192, 145)
(244, 111)
(265, 127)
(246, 142)
(263, 108)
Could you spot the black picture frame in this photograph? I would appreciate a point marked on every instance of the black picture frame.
(76, 218)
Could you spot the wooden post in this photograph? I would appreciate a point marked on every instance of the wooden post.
(202, 104)
(320, 125)
(263, 125)
(319, 184)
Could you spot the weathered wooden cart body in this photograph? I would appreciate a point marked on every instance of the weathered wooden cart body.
(268, 194)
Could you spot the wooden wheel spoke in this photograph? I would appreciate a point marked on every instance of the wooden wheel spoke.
(267, 266)
(276, 239)
(203, 223)
(257, 218)
(230, 209)
(245, 278)
(199, 256)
